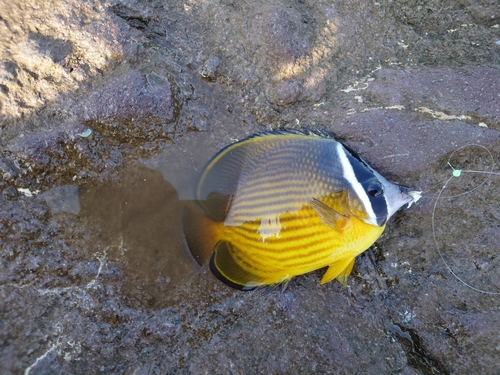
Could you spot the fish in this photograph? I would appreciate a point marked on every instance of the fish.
(280, 204)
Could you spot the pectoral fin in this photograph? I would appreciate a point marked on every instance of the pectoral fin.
(329, 215)
(339, 270)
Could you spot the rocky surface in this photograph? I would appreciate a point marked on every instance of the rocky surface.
(109, 109)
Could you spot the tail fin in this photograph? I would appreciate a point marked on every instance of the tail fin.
(201, 232)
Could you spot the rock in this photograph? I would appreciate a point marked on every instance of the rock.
(470, 91)
(287, 93)
(131, 108)
(279, 33)
(57, 50)
(209, 69)
(109, 110)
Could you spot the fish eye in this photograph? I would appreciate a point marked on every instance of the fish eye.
(375, 189)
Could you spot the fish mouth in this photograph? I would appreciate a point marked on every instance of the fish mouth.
(415, 197)
(404, 189)
(410, 196)
(397, 196)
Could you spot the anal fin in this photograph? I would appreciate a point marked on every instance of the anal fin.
(344, 275)
(339, 270)
(226, 265)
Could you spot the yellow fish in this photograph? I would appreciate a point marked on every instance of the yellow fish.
(284, 203)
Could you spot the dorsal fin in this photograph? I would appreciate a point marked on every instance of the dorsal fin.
(304, 131)
(219, 180)
(220, 177)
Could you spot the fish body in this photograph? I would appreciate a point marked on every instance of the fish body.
(281, 204)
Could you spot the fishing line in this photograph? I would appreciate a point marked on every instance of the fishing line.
(456, 174)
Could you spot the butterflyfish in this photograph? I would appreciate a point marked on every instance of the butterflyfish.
(284, 203)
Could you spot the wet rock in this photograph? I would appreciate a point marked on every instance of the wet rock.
(395, 139)
(131, 109)
(279, 32)
(131, 97)
(287, 93)
(209, 69)
(470, 91)
(10, 193)
(111, 286)
(62, 199)
(8, 170)
(152, 272)
(63, 153)
(488, 14)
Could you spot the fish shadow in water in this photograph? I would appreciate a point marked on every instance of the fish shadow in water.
(137, 220)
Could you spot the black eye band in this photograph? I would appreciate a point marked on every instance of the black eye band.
(375, 189)
(355, 155)
(372, 187)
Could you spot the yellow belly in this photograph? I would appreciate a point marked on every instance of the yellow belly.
(296, 243)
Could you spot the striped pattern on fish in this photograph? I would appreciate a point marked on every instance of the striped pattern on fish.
(281, 204)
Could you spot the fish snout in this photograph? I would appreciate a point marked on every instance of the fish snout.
(404, 195)
(396, 197)
(409, 196)
(404, 189)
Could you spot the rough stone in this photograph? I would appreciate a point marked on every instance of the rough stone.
(109, 110)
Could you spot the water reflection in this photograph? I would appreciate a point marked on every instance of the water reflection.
(137, 221)
(180, 163)
(62, 199)
(134, 218)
